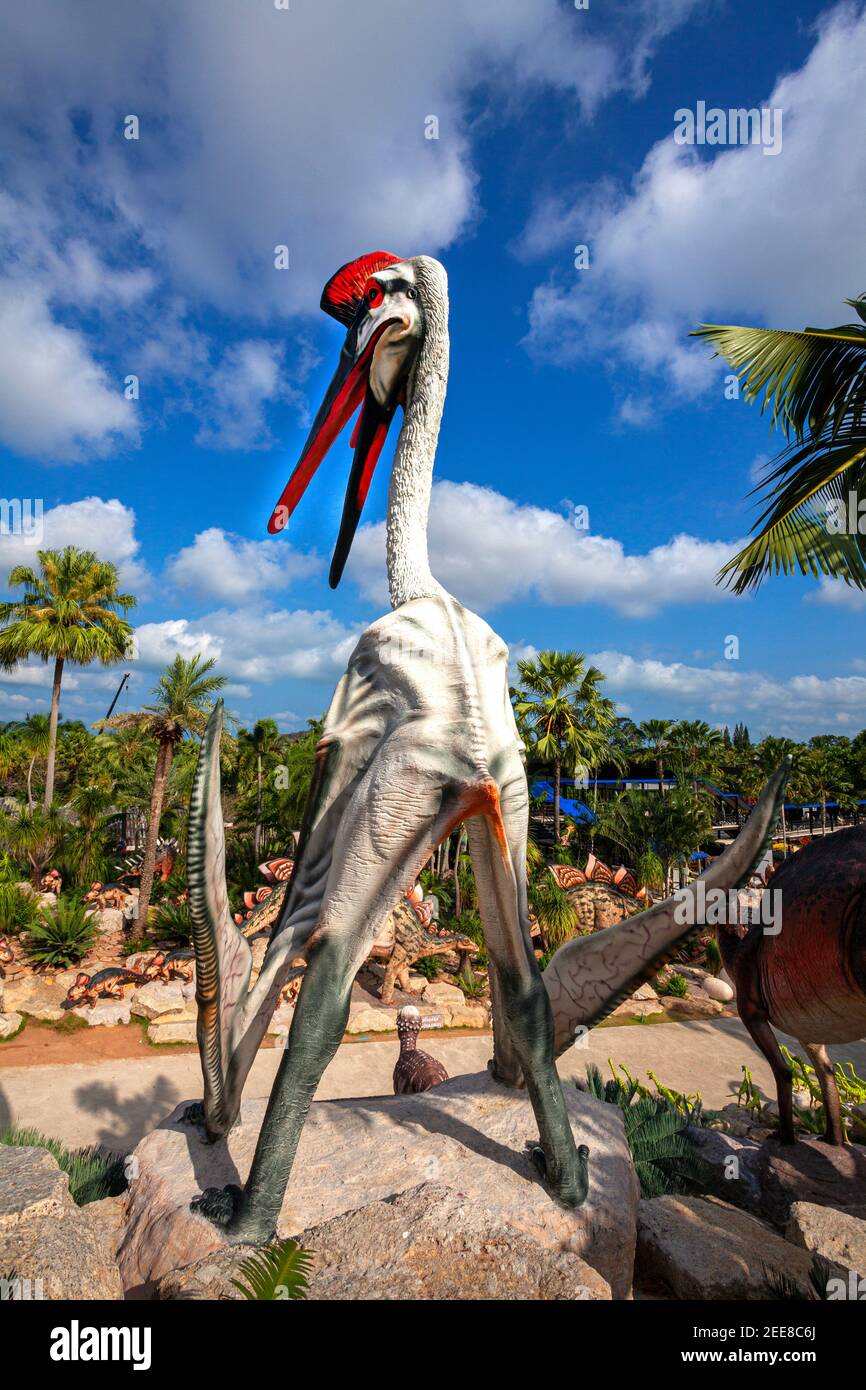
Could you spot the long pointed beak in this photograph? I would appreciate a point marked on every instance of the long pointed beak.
(348, 389)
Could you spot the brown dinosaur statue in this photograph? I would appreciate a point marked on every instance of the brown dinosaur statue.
(599, 895)
(805, 973)
(166, 855)
(105, 984)
(105, 895)
(171, 965)
(404, 939)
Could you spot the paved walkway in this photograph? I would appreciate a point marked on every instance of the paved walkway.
(116, 1102)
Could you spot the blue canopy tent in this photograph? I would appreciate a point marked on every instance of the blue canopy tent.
(576, 810)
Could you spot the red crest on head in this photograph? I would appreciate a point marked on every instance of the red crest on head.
(343, 292)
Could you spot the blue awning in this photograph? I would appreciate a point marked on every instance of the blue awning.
(575, 810)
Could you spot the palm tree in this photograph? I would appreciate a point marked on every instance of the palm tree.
(9, 749)
(698, 747)
(182, 702)
(35, 735)
(565, 713)
(34, 836)
(68, 612)
(654, 736)
(670, 827)
(815, 384)
(256, 745)
(92, 804)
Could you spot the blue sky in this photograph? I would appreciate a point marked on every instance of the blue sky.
(306, 127)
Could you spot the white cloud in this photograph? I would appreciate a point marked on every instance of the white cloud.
(798, 705)
(56, 402)
(107, 527)
(244, 382)
(835, 593)
(230, 569)
(576, 568)
(720, 234)
(321, 147)
(254, 645)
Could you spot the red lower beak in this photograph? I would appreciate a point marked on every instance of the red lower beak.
(342, 399)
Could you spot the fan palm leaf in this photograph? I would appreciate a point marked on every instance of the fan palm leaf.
(813, 384)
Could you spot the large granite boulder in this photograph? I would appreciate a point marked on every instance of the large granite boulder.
(828, 1175)
(838, 1236)
(470, 1135)
(427, 1243)
(64, 1251)
(164, 999)
(39, 996)
(701, 1248)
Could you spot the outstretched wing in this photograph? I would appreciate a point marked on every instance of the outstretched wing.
(222, 955)
(233, 1018)
(590, 975)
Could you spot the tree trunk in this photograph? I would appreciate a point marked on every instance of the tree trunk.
(557, 777)
(160, 777)
(52, 732)
(30, 787)
(259, 808)
(660, 769)
(823, 817)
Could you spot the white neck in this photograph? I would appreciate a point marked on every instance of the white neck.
(412, 475)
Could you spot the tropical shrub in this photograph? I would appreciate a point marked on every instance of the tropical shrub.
(553, 908)
(93, 1172)
(19, 910)
(677, 986)
(63, 934)
(656, 1131)
(173, 919)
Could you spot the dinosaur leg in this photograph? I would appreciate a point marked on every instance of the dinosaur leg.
(394, 967)
(389, 829)
(763, 1036)
(525, 1006)
(834, 1132)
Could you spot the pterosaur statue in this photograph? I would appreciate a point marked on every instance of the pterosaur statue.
(420, 736)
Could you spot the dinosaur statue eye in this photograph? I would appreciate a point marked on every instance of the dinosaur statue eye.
(411, 292)
(374, 294)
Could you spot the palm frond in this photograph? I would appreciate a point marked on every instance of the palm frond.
(813, 383)
(281, 1271)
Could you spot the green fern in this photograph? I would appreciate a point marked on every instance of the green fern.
(656, 1131)
(173, 919)
(280, 1272)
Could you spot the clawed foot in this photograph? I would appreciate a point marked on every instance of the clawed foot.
(570, 1185)
(193, 1114)
(219, 1205)
(224, 1208)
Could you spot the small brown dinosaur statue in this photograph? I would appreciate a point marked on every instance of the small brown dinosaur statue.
(600, 896)
(105, 984)
(806, 973)
(403, 940)
(171, 965)
(107, 895)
